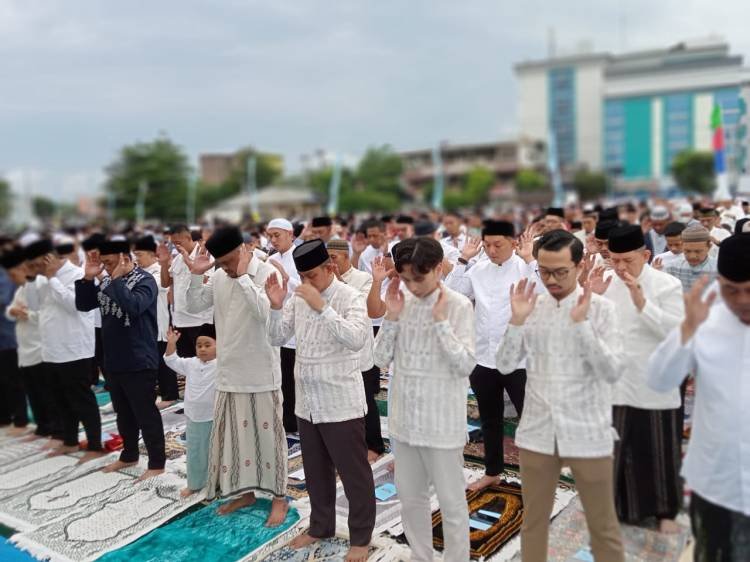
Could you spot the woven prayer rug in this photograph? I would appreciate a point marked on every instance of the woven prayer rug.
(334, 550)
(174, 445)
(205, 536)
(116, 519)
(16, 452)
(475, 451)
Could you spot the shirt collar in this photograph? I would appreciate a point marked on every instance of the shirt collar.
(252, 267)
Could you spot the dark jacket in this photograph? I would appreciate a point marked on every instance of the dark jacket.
(129, 331)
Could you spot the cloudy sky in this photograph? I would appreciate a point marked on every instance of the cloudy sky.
(79, 79)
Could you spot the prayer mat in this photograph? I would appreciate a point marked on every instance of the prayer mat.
(475, 451)
(381, 399)
(9, 553)
(334, 550)
(17, 453)
(205, 536)
(116, 519)
(174, 446)
(296, 487)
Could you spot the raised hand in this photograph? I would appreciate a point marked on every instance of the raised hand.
(636, 291)
(336, 270)
(280, 269)
(51, 266)
(394, 300)
(696, 308)
(596, 280)
(313, 298)
(246, 256)
(580, 311)
(525, 248)
(163, 254)
(276, 292)
(121, 268)
(359, 245)
(472, 247)
(200, 264)
(93, 266)
(591, 246)
(588, 265)
(19, 312)
(522, 301)
(440, 310)
(379, 269)
(172, 335)
(657, 264)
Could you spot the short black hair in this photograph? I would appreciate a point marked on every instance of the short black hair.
(373, 223)
(556, 240)
(179, 229)
(454, 214)
(423, 254)
(674, 229)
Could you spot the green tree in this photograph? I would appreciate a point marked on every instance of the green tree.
(362, 201)
(530, 181)
(693, 170)
(268, 169)
(590, 185)
(477, 185)
(6, 200)
(165, 169)
(44, 207)
(380, 170)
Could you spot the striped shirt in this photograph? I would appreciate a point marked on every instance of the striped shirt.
(327, 380)
(688, 274)
(570, 368)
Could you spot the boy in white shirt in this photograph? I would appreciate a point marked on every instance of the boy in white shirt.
(200, 380)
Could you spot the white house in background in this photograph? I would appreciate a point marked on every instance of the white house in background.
(273, 201)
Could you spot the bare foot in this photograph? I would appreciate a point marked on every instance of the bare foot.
(279, 508)
(62, 450)
(52, 444)
(91, 455)
(150, 473)
(484, 482)
(187, 492)
(357, 554)
(32, 437)
(238, 503)
(302, 541)
(372, 456)
(17, 431)
(668, 527)
(165, 404)
(117, 465)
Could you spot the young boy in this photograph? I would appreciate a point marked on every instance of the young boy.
(429, 336)
(200, 380)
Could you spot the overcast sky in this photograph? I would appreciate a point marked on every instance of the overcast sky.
(79, 79)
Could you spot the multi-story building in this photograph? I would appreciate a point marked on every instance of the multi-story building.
(630, 114)
(217, 168)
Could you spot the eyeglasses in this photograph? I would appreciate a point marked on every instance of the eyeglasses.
(559, 274)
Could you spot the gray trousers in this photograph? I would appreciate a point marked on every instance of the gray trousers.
(416, 469)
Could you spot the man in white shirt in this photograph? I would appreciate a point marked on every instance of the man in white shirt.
(488, 283)
(647, 457)
(67, 346)
(673, 234)
(375, 232)
(144, 250)
(175, 273)
(322, 227)
(455, 236)
(572, 348)
(659, 217)
(709, 217)
(404, 228)
(281, 235)
(362, 281)
(248, 450)
(331, 324)
(713, 342)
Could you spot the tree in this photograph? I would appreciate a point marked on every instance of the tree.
(590, 185)
(380, 170)
(268, 168)
(6, 200)
(165, 169)
(693, 170)
(44, 208)
(362, 201)
(477, 185)
(530, 181)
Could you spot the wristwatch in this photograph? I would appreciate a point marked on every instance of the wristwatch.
(462, 261)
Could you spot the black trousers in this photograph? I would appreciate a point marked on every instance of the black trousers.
(37, 384)
(97, 365)
(721, 535)
(488, 386)
(373, 434)
(166, 377)
(287, 388)
(134, 400)
(76, 402)
(12, 394)
(340, 447)
(186, 343)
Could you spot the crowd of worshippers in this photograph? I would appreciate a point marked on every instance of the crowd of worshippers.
(592, 319)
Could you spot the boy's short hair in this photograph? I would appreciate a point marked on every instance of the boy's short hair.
(423, 254)
(556, 240)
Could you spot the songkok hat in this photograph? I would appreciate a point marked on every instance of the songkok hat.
(310, 255)
(674, 229)
(739, 226)
(109, 247)
(12, 258)
(405, 219)
(65, 248)
(224, 240)
(555, 211)
(603, 227)
(283, 224)
(207, 331)
(660, 213)
(734, 258)
(145, 244)
(39, 248)
(321, 221)
(424, 228)
(93, 242)
(608, 214)
(498, 228)
(696, 233)
(338, 244)
(626, 239)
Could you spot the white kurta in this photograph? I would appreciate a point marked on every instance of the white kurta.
(362, 281)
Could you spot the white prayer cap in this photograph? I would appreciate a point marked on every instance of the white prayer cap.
(59, 239)
(283, 224)
(684, 212)
(118, 238)
(28, 238)
(660, 213)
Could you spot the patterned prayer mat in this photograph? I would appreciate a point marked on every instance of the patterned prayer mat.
(17, 453)
(116, 518)
(175, 447)
(296, 487)
(205, 536)
(334, 550)
(475, 451)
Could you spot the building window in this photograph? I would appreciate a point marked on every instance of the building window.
(677, 127)
(561, 83)
(614, 135)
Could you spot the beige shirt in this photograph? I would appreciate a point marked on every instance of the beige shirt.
(362, 281)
